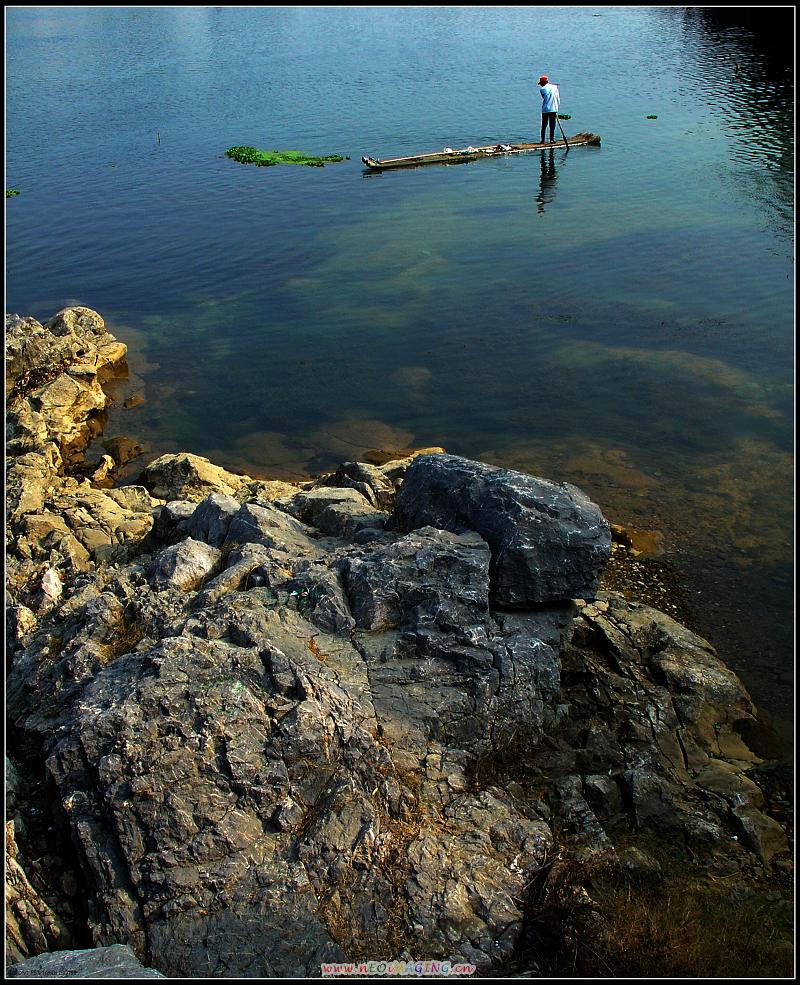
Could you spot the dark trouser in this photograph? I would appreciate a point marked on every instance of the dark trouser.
(551, 119)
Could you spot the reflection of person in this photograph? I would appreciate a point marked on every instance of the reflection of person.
(551, 99)
(547, 180)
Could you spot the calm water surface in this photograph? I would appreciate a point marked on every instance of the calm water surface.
(617, 317)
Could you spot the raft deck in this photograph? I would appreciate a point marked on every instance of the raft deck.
(449, 156)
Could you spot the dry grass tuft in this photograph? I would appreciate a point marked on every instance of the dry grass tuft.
(688, 926)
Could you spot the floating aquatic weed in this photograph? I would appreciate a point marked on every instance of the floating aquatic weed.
(564, 116)
(269, 158)
(11, 192)
(652, 117)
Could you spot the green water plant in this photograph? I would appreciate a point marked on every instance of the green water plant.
(652, 117)
(269, 158)
(564, 116)
(11, 192)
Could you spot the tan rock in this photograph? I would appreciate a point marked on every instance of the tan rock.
(112, 352)
(724, 779)
(28, 480)
(92, 537)
(265, 491)
(136, 528)
(761, 833)
(66, 405)
(187, 476)
(137, 499)
(104, 471)
(31, 925)
(73, 552)
(28, 428)
(388, 458)
(38, 526)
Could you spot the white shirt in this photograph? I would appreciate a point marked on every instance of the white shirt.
(550, 97)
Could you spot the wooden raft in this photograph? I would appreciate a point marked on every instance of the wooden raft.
(474, 153)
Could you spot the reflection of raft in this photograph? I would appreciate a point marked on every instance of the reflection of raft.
(448, 156)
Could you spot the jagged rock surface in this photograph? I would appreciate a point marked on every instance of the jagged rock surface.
(116, 961)
(290, 729)
(53, 379)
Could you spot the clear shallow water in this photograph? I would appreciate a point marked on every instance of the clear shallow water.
(618, 317)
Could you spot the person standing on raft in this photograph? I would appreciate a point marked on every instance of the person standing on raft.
(551, 100)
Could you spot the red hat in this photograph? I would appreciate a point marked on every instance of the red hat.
(543, 78)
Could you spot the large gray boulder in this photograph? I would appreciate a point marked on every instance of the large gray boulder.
(549, 541)
(184, 566)
(211, 519)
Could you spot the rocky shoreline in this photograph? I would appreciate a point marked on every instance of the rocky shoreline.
(255, 726)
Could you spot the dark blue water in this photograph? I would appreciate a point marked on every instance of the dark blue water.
(618, 317)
